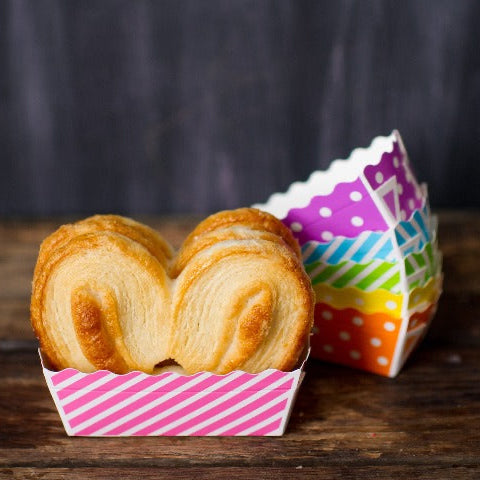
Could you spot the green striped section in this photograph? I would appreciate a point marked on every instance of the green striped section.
(354, 275)
(347, 278)
(326, 274)
(409, 269)
(391, 284)
(428, 259)
(372, 277)
(380, 274)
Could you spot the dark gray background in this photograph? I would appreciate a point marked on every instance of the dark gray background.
(195, 106)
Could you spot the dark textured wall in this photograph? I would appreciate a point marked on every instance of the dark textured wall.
(194, 106)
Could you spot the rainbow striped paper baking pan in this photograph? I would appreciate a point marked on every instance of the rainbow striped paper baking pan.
(369, 245)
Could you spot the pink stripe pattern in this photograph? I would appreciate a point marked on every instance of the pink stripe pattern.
(137, 404)
(64, 375)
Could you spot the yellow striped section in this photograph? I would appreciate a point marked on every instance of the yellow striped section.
(429, 293)
(379, 301)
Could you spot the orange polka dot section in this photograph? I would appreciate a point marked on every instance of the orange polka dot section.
(366, 341)
(421, 319)
(356, 339)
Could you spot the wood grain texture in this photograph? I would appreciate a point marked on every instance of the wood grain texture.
(346, 424)
(425, 419)
(187, 106)
(245, 473)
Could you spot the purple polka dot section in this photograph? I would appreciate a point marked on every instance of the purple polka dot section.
(392, 180)
(342, 216)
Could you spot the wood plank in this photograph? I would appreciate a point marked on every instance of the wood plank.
(428, 416)
(373, 471)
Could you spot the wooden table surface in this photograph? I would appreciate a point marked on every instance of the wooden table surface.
(346, 424)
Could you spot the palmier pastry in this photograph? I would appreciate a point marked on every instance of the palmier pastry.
(109, 294)
(241, 305)
(101, 301)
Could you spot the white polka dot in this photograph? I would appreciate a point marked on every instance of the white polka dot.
(411, 204)
(382, 360)
(358, 321)
(418, 194)
(327, 315)
(325, 212)
(400, 189)
(389, 326)
(296, 226)
(344, 336)
(396, 162)
(408, 177)
(403, 214)
(356, 196)
(417, 298)
(359, 301)
(357, 221)
(355, 354)
(379, 177)
(328, 298)
(391, 305)
(328, 348)
(327, 235)
(375, 342)
(315, 330)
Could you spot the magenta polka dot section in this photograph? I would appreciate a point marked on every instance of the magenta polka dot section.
(296, 226)
(393, 179)
(347, 218)
(384, 193)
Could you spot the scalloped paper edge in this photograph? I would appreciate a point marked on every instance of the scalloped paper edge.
(301, 362)
(323, 182)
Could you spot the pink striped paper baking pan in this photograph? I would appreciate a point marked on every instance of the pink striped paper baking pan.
(136, 404)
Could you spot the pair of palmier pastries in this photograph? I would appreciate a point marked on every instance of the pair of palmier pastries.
(110, 293)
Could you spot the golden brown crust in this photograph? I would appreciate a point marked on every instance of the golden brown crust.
(212, 237)
(250, 217)
(103, 296)
(96, 327)
(144, 235)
